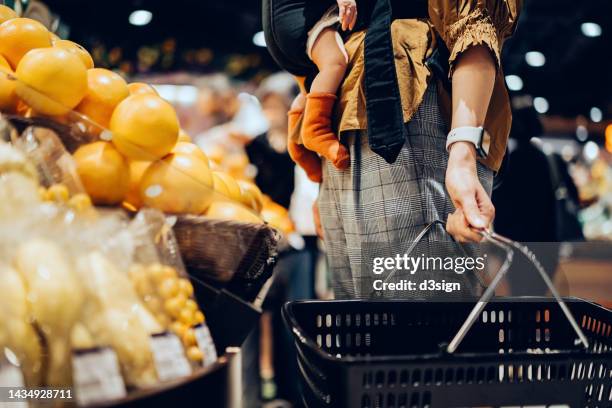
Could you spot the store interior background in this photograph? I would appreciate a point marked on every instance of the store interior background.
(202, 54)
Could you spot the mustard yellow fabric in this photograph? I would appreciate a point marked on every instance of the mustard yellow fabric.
(461, 24)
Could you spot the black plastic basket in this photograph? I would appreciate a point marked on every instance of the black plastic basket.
(522, 351)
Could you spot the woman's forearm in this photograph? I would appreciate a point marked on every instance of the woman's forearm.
(473, 81)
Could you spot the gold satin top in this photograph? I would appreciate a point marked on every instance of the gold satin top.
(461, 24)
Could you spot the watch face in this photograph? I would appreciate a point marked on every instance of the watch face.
(485, 142)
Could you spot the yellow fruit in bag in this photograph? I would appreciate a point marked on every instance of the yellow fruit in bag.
(55, 298)
(77, 50)
(7, 13)
(52, 81)
(16, 333)
(104, 172)
(8, 97)
(105, 90)
(144, 127)
(178, 183)
(20, 35)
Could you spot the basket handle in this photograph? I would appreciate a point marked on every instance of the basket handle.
(416, 241)
(507, 244)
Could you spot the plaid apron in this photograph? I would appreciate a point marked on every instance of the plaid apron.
(374, 204)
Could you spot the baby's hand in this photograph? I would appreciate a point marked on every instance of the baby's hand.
(348, 13)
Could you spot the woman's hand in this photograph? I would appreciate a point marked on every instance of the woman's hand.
(474, 209)
(348, 14)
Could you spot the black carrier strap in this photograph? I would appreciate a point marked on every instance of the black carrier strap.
(383, 103)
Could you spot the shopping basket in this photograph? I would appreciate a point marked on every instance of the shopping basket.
(509, 352)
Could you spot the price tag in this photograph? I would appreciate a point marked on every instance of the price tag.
(11, 377)
(97, 376)
(169, 356)
(206, 344)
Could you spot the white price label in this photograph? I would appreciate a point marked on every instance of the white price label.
(11, 377)
(169, 356)
(97, 376)
(206, 344)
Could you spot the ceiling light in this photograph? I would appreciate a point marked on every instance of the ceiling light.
(259, 39)
(540, 104)
(535, 58)
(591, 150)
(514, 82)
(596, 115)
(582, 134)
(590, 29)
(140, 17)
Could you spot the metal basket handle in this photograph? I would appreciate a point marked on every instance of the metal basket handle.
(507, 244)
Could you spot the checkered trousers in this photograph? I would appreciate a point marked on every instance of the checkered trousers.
(374, 204)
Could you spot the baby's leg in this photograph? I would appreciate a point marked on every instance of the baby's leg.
(317, 133)
(306, 159)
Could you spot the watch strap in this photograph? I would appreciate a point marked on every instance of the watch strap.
(470, 134)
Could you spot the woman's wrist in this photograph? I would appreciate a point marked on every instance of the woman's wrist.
(462, 154)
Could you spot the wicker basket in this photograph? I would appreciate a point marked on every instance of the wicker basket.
(234, 255)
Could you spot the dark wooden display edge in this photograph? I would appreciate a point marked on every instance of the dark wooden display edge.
(163, 387)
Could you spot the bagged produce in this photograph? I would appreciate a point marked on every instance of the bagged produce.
(55, 296)
(115, 316)
(16, 331)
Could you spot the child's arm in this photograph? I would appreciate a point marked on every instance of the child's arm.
(348, 13)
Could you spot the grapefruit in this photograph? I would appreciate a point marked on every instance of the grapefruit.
(144, 127)
(20, 35)
(8, 97)
(105, 89)
(231, 211)
(6, 13)
(52, 81)
(190, 149)
(138, 88)
(232, 186)
(178, 184)
(104, 172)
(251, 195)
(137, 169)
(76, 49)
(219, 185)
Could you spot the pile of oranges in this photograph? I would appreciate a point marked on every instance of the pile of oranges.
(142, 156)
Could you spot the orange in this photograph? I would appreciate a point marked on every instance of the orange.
(76, 49)
(251, 195)
(105, 90)
(144, 127)
(137, 169)
(105, 174)
(216, 153)
(6, 13)
(52, 81)
(183, 136)
(236, 164)
(232, 186)
(190, 149)
(178, 184)
(54, 37)
(8, 97)
(20, 35)
(220, 186)
(231, 211)
(137, 88)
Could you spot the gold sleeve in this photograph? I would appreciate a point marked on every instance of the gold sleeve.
(466, 23)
